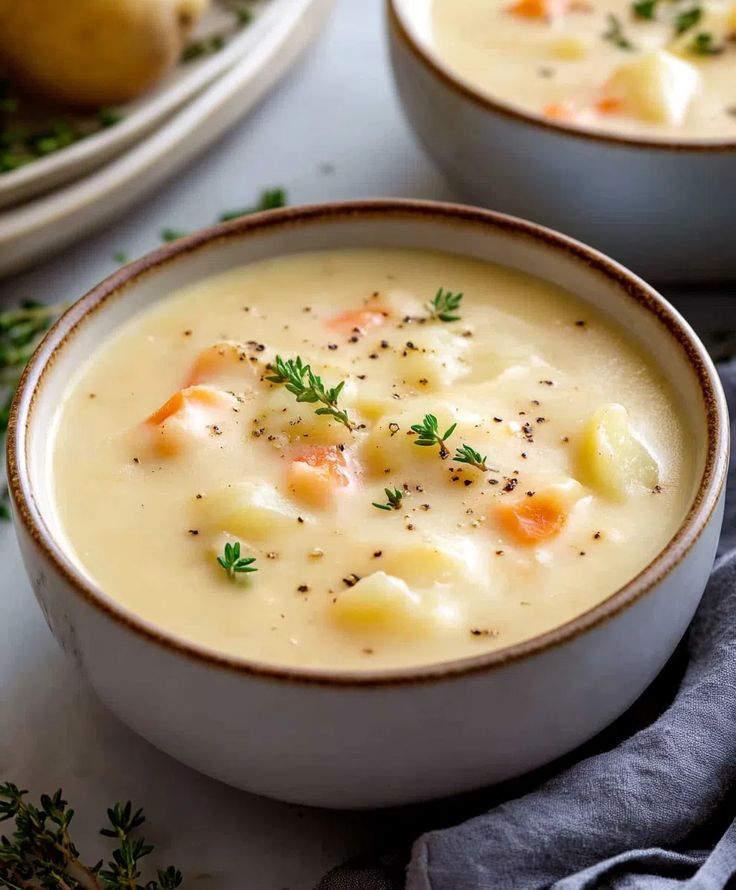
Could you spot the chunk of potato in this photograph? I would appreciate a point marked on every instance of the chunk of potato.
(570, 48)
(433, 357)
(424, 563)
(383, 604)
(611, 458)
(656, 87)
(252, 509)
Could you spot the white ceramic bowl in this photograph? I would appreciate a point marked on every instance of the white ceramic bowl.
(664, 207)
(371, 738)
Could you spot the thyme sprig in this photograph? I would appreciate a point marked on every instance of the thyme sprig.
(235, 564)
(394, 499)
(40, 853)
(704, 44)
(471, 457)
(269, 199)
(21, 330)
(444, 305)
(299, 379)
(687, 19)
(429, 434)
(615, 33)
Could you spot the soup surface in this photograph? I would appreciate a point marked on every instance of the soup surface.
(494, 464)
(647, 67)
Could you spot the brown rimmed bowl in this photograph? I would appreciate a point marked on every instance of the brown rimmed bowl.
(664, 207)
(381, 737)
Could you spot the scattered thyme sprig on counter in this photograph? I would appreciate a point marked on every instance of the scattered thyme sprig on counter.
(471, 457)
(235, 564)
(394, 500)
(270, 199)
(429, 434)
(301, 381)
(40, 852)
(444, 305)
(615, 33)
(21, 330)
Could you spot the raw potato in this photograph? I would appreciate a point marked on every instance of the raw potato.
(611, 457)
(93, 52)
(657, 87)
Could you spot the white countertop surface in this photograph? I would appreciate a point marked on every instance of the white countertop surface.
(331, 130)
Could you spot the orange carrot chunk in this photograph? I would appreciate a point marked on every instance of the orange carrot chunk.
(316, 473)
(188, 416)
(532, 520)
(608, 105)
(362, 319)
(558, 111)
(227, 359)
(542, 10)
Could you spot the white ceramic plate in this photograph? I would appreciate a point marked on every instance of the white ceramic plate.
(143, 115)
(46, 224)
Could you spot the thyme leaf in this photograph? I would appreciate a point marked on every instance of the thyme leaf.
(468, 455)
(233, 563)
(428, 434)
(299, 379)
(615, 33)
(393, 500)
(444, 305)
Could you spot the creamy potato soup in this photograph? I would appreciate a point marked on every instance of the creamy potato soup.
(367, 459)
(641, 67)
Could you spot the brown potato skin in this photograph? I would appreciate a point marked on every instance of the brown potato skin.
(90, 53)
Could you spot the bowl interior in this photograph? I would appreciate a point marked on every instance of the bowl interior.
(478, 234)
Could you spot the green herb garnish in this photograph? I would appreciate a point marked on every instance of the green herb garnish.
(444, 305)
(270, 199)
(234, 563)
(703, 44)
(41, 853)
(198, 49)
(615, 33)
(21, 330)
(687, 19)
(301, 381)
(429, 434)
(121, 257)
(645, 9)
(243, 14)
(468, 455)
(172, 234)
(394, 500)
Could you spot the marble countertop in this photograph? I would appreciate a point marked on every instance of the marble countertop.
(314, 135)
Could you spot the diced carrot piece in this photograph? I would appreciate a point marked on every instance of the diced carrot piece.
(543, 10)
(364, 318)
(558, 111)
(226, 359)
(532, 520)
(202, 396)
(186, 415)
(608, 105)
(315, 474)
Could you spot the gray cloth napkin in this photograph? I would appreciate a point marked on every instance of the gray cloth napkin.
(650, 804)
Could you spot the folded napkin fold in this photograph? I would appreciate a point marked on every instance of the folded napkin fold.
(649, 804)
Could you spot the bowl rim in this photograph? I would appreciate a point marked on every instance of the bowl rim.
(704, 504)
(468, 91)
